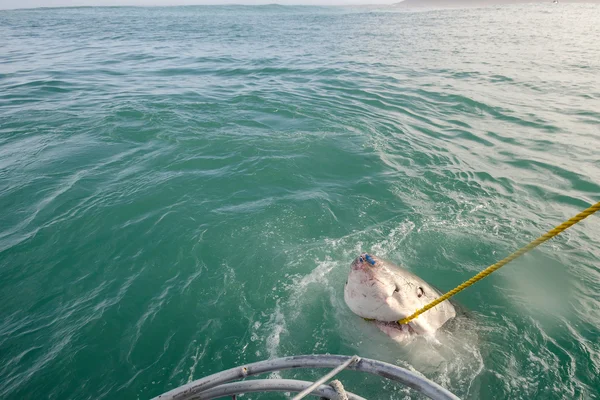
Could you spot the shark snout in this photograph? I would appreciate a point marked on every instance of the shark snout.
(365, 260)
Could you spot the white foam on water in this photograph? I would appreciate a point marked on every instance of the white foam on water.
(394, 239)
(276, 326)
(299, 287)
(196, 358)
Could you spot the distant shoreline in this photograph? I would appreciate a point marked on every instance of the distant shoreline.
(479, 3)
(406, 4)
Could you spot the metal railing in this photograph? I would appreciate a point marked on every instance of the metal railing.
(219, 384)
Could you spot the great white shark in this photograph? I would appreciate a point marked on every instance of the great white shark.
(386, 293)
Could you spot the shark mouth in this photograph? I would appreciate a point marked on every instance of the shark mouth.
(393, 328)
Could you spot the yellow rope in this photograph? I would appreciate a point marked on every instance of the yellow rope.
(548, 235)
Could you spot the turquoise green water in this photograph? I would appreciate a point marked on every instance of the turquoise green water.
(182, 190)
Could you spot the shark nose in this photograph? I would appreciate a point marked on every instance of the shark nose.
(365, 257)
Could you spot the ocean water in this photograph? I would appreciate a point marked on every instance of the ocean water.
(182, 190)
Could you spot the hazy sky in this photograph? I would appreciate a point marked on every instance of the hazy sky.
(8, 4)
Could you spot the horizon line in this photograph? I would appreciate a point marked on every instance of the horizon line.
(232, 4)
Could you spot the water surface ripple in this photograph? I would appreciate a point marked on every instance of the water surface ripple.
(183, 189)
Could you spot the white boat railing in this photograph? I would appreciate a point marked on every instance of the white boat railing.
(221, 385)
